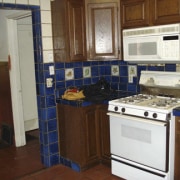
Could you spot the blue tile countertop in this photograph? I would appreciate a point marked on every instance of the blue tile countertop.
(176, 111)
(84, 102)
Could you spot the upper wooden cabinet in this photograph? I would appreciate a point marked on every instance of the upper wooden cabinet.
(136, 13)
(165, 11)
(69, 35)
(102, 26)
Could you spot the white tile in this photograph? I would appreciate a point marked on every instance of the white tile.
(86, 72)
(47, 43)
(69, 74)
(115, 70)
(22, 2)
(9, 1)
(45, 4)
(47, 56)
(46, 30)
(132, 70)
(34, 2)
(46, 17)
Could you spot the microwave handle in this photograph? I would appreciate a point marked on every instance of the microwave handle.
(147, 121)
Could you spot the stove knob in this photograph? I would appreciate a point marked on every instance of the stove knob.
(123, 110)
(146, 113)
(154, 115)
(116, 108)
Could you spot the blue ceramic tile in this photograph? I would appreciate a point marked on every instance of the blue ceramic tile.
(53, 137)
(77, 64)
(60, 84)
(87, 81)
(46, 161)
(86, 63)
(155, 68)
(61, 160)
(49, 90)
(59, 65)
(123, 87)
(60, 74)
(41, 89)
(132, 88)
(102, 70)
(53, 148)
(114, 86)
(54, 159)
(123, 71)
(67, 163)
(43, 126)
(75, 167)
(170, 67)
(42, 114)
(44, 150)
(51, 113)
(45, 140)
(78, 73)
(107, 70)
(46, 66)
(50, 101)
(78, 82)
(94, 63)
(114, 62)
(68, 65)
(52, 125)
(69, 83)
(94, 80)
(123, 79)
(115, 79)
(42, 102)
(94, 71)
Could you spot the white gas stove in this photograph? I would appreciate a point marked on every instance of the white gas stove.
(142, 128)
(143, 105)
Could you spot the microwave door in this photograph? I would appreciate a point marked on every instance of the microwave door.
(142, 48)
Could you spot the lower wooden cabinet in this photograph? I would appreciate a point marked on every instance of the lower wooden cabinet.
(84, 134)
(177, 149)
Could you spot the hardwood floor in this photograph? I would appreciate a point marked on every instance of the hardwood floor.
(24, 163)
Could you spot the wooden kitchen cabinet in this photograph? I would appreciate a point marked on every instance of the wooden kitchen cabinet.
(137, 13)
(134, 13)
(104, 135)
(81, 134)
(177, 149)
(102, 25)
(68, 26)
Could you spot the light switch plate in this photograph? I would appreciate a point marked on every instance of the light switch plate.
(51, 70)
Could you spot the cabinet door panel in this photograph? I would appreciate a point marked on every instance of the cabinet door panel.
(166, 11)
(77, 31)
(103, 30)
(91, 134)
(134, 13)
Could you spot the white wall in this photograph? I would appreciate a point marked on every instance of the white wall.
(46, 28)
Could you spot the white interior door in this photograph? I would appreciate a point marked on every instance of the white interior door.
(22, 75)
(27, 72)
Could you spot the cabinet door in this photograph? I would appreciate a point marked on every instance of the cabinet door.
(102, 25)
(68, 27)
(165, 11)
(77, 30)
(91, 134)
(134, 13)
(177, 150)
(104, 134)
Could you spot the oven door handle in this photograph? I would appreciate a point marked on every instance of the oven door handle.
(148, 121)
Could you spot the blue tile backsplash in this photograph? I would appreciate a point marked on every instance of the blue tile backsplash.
(46, 97)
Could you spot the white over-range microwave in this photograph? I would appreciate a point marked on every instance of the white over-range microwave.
(154, 44)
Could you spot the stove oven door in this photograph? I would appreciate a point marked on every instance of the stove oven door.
(140, 140)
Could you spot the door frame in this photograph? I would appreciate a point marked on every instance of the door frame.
(15, 80)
